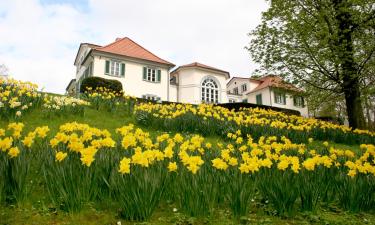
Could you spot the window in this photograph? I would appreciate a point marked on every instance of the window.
(259, 99)
(151, 74)
(244, 100)
(151, 97)
(280, 98)
(244, 87)
(232, 101)
(235, 90)
(299, 101)
(173, 80)
(114, 68)
(210, 91)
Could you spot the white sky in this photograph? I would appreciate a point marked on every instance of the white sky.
(39, 39)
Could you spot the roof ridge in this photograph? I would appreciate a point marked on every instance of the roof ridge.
(110, 44)
(146, 50)
(138, 45)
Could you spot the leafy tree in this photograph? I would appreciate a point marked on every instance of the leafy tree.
(325, 44)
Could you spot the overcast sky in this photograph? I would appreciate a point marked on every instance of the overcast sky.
(39, 39)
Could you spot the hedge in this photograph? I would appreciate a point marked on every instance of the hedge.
(237, 105)
(95, 82)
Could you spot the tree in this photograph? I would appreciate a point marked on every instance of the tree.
(326, 44)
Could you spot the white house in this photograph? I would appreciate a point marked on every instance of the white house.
(145, 75)
(196, 83)
(141, 73)
(269, 90)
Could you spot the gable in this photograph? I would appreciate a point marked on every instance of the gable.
(127, 47)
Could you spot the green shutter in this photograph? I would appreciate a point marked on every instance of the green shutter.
(123, 69)
(303, 102)
(144, 73)
(295, 100)
(259, 99)
(106, 67)
(275, 97)
(159, 75)
(284, 96)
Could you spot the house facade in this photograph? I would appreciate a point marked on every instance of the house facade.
(196, 83)
(269, 90)
(145, 75)
(141, 73)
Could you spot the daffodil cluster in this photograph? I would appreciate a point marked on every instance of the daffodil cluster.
(16, 97)
(62, 104)
(81, 139)
(211, 119)
(104, 98)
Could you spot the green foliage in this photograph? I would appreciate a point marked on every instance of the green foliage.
(280, 188)
(13, 177)
(96, 82)
(356, 194)
(327, 45)
(139, 193)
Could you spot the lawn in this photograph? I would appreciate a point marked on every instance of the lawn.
(195, 193)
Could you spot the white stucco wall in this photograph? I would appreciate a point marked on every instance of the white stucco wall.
(173, 93)
(133, 83)
(268, 98)
(251, 97)
(238, 82)
(290, 104)
(234, 98)
(189, 84)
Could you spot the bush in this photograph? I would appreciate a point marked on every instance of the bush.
(95, 82)
(239, 105)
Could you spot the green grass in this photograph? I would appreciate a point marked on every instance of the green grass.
(38, 209)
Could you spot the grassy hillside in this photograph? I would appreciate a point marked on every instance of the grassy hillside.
(246, 167)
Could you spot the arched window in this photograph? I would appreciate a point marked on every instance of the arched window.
(210, 91)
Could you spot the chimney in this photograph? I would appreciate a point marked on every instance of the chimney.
(117, 39)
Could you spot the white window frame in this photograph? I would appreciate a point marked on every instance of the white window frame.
(210, 90)
(243, 87)
(298, 101)
(115, 68)
(280, 98)
(151, 97)
(151, 74)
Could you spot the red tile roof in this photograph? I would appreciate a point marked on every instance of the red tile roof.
(200, 65)
(275, 81)
(127, 47)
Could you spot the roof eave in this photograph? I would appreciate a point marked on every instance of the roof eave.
(199, 67)
(170, 65)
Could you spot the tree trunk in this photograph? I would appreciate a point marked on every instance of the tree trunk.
(353, 106)
(348, 65)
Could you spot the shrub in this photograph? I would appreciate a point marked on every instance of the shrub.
(95, 82)
(240, 105)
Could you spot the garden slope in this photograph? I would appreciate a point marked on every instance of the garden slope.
(39, 212)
